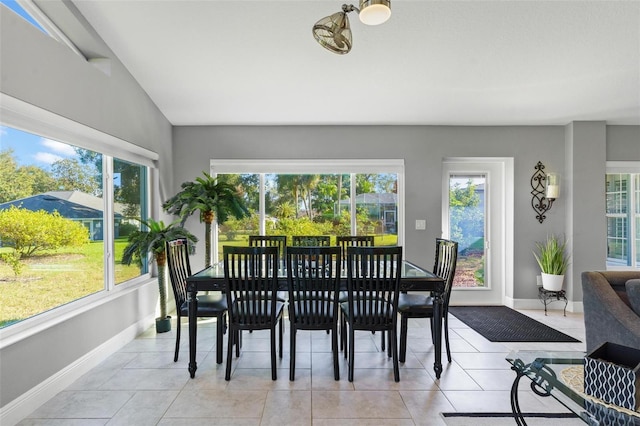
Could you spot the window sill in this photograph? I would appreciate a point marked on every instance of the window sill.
(40, 322)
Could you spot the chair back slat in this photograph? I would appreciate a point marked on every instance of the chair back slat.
(311, 240)
(251, 279)
(179, 268)
(373, 283)
(313, 274)
(445, 265)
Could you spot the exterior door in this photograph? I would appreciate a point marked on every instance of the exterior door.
(474, 215)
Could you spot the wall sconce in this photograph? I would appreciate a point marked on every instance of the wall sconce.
(545, 190)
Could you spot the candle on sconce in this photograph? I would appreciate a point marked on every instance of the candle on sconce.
(553, 186)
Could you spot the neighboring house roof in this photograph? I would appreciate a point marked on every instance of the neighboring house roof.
(84, 199)
(83, 205)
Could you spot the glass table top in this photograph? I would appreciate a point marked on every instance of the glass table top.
(409, 270)
(561, 375)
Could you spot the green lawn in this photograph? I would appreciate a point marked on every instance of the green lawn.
(54, 279)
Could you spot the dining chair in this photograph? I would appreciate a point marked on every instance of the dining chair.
(311, 240)
(313, 275)
(352, 241)
(417, 305)
(213, 304)
(279, 241)
(373, 283)
(251, 282)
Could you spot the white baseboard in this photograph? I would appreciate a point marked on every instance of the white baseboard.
(26, 403)
(536, 304)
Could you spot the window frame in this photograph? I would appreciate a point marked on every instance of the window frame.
(631, 168)
(312, 166)
(30, 118)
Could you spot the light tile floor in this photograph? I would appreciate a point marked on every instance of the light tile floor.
(141, 385)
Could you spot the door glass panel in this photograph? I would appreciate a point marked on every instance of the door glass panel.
(467, 224)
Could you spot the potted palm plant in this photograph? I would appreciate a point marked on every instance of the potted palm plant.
(553, 260)
(152, 240)
(211, 197)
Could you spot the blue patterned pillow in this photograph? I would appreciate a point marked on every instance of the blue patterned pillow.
(633, 292)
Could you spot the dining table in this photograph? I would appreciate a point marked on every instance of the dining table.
(413, 278)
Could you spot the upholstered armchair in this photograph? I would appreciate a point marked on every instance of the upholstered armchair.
(609, 314)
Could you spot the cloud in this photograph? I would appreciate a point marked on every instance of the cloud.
(3, 131)
(47, 157)
(58, 147)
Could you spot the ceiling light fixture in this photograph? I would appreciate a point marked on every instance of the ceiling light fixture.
(375, 12)
(334, 31)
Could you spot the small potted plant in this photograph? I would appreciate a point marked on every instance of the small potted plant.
(553, 260)
(152, 240)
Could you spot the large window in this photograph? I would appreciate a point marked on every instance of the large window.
(66, 209)
(319, 198)
(623, 216)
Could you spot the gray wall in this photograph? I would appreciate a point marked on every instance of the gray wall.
(423, 148)
(623, 143)
(38, 70)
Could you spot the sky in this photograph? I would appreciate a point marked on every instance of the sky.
(30, 149)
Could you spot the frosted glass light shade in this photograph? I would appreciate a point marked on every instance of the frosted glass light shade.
(553, 186)
(375, 12)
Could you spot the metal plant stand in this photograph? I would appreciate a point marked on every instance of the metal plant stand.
(548, 296)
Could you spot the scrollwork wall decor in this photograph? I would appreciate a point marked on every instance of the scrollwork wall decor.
(541, 204)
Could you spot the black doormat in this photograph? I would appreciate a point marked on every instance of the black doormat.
(502, 324)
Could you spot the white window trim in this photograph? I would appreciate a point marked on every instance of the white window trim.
(45, 320)
(24, 116)
(307, 166)
(625, 167)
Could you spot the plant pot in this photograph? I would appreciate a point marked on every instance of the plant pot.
(552, 282)
(163, 325)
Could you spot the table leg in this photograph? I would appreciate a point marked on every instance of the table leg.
(437, 333)
(515, 404)
(193, 330)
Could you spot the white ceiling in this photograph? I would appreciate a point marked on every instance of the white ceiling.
(434, 62)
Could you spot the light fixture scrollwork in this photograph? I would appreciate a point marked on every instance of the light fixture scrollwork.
(545, 190)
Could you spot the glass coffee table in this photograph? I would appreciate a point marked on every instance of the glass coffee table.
(561, 375)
